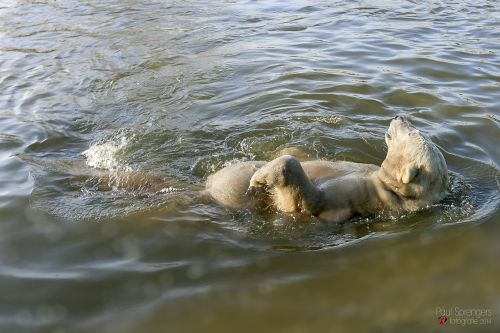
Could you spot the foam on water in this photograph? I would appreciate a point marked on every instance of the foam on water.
(107, 153)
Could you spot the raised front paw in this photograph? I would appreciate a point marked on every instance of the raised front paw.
(278, 172)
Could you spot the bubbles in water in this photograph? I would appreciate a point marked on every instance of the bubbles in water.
(458, 205)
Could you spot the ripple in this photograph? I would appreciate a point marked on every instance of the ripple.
(404, 98)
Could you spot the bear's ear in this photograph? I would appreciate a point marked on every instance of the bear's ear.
(409, 172)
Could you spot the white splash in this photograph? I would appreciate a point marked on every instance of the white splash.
(105, 155)
(170, 190)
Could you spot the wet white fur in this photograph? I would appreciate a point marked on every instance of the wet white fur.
(412, 176)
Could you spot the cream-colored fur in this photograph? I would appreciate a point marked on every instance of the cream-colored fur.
(412, 176)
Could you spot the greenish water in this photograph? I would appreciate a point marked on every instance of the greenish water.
(183, 88)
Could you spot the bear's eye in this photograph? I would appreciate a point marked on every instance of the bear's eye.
(413, 133)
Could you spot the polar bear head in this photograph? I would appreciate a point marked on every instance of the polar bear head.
(414, 168)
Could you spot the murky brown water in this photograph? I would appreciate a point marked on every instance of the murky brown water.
(185, 87)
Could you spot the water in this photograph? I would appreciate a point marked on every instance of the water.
(182, 88)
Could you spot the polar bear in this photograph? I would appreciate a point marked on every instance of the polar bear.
(412, 176)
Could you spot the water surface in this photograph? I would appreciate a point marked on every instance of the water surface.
(183, 88)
